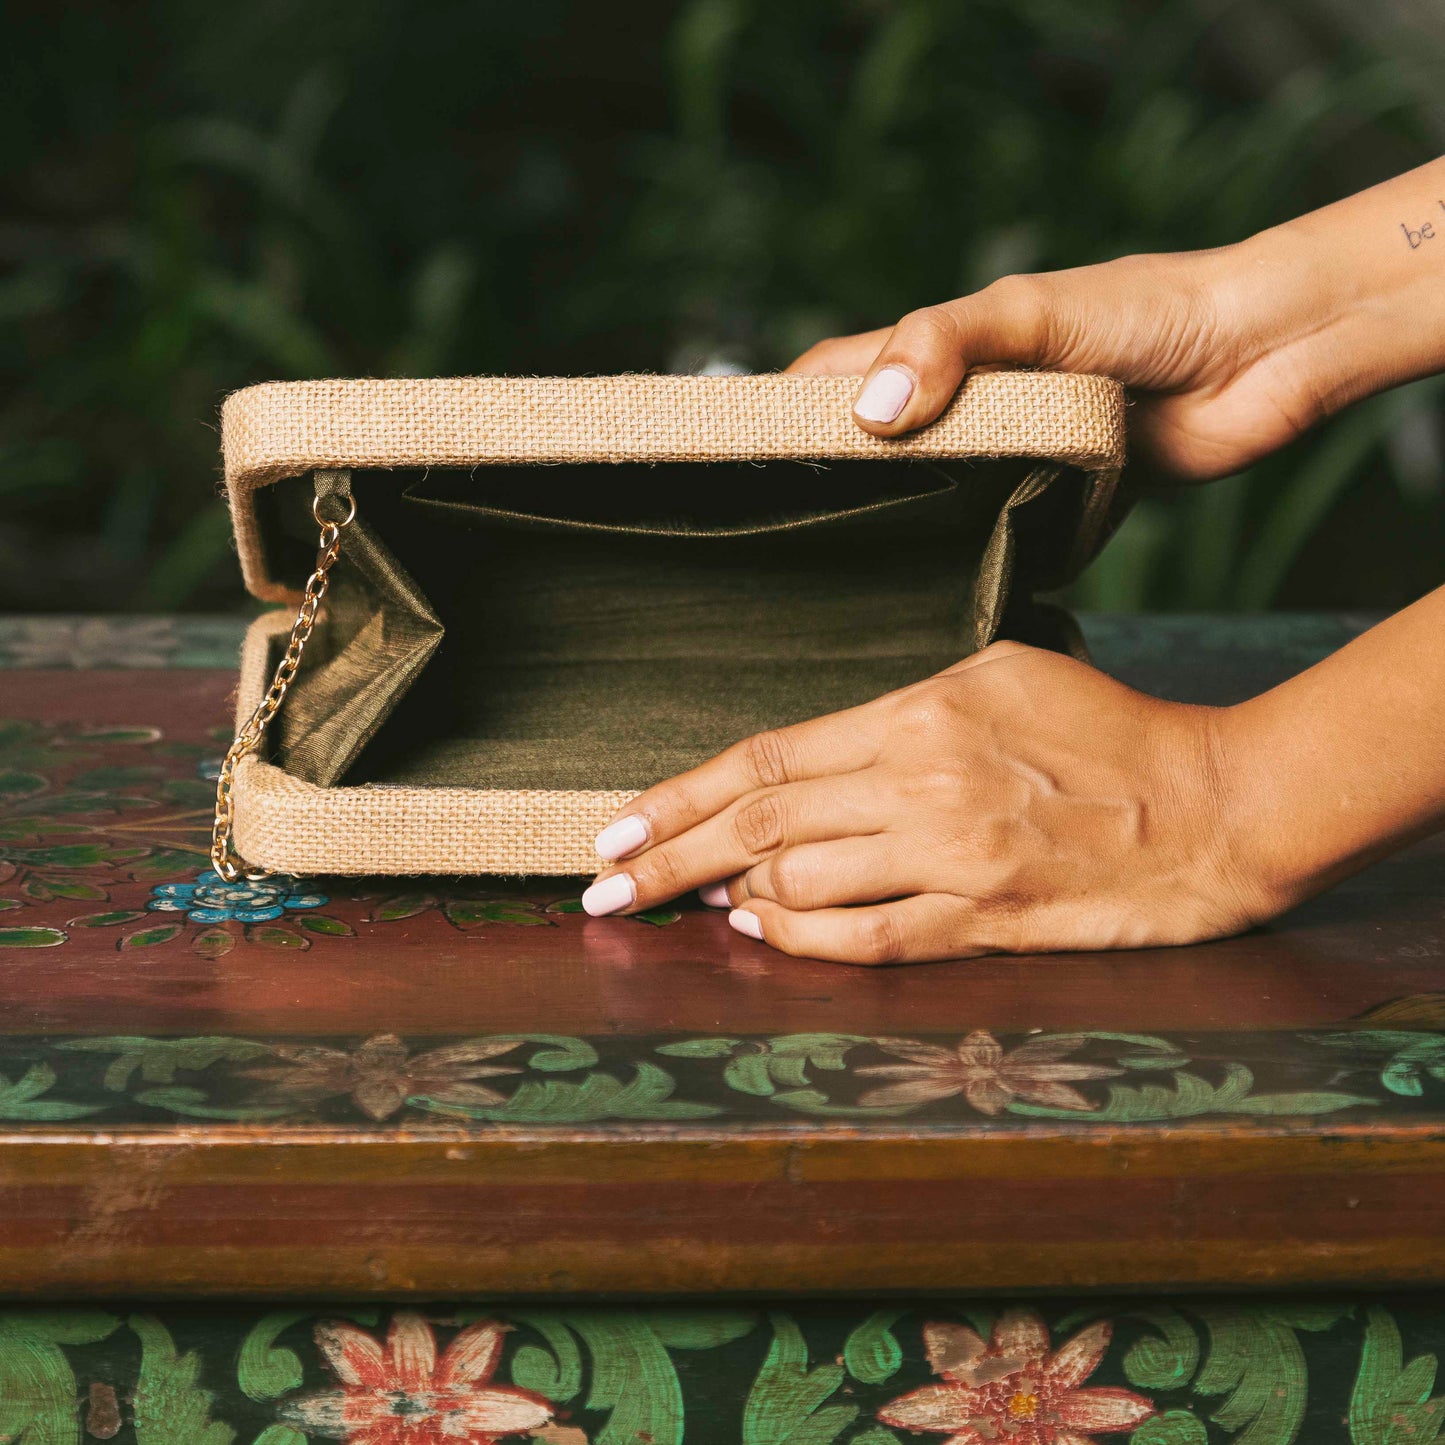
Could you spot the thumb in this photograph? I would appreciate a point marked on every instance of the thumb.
(929, 352)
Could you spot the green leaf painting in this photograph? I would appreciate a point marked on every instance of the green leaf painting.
(1216, 1372)
(1409, 1058)
(38, 1394)
(1256, 1360)
(1140, 1051)
(110, 919)
(1174, 1427)
(789, 1403)
(633, 1380)
(558, 1053)
(32, 937)
(17, 784)
(648, 1095)
(158, 1060)
(554, 1368)
(1393, 1403)
(169, 1404)
(151, 937)
(1166, 1354)
(785, 1060)
(871, 1352)
(976, 1080)
(1192, 1096)
(195, 1104)
(699, 1048)
(280, 1435)
(703, 1329)
(21, 1099)
(465, 913)
(265, 1371)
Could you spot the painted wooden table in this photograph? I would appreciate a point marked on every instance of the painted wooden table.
(593, 1178)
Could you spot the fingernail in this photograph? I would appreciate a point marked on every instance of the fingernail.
(619, 839)
(715, 895)
(885, 395)
(744, 922)
(618, 891)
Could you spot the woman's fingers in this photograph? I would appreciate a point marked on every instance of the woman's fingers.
(928, 926)
(925, 358)
(842, 742)
(717, 895)
(830, 874)
(741, 835)
(841, 355)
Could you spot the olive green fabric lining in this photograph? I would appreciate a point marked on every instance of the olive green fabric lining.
(568, 636)
(624, 725)
(377, 635)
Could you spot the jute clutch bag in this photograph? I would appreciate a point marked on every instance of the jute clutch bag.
(534, 597)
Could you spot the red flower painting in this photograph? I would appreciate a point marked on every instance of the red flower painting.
(1016, 1389)
(402, 1394)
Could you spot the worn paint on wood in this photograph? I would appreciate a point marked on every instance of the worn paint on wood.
(421, 1089)
(1182, 1372)
(1087, 1078)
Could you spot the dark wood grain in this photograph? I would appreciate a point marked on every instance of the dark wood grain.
(190, 1105)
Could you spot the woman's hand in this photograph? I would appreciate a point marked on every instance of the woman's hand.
(1019, 802)
(1022, 801)
(1214, 354)
(1229, 353)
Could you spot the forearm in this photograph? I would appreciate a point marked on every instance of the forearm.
(1355, 292)
(1345, 762)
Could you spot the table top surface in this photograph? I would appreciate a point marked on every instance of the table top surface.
(397, 1086)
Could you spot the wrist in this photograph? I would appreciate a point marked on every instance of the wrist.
(1341, 764)
(1345, 305)
(1285, 307)
(1277, 835)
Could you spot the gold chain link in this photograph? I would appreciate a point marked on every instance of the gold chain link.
(224, 858)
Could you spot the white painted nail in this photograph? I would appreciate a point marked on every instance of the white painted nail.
(618, 891)
(746, 922)
(715, 895)
(619, 839)
(885, 395)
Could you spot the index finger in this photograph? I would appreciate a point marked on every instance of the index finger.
(841, 355)
(842, 742)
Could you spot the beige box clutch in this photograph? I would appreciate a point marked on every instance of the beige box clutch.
(554, 592)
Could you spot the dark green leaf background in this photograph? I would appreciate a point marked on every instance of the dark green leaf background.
(197, 196)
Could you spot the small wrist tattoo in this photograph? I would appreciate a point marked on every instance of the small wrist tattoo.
(1427, 231)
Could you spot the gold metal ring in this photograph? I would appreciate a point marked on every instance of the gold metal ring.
(340, 521)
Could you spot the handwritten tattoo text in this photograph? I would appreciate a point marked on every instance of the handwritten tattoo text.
(1427, 232)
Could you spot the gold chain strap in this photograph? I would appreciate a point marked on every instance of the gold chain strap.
(224, 858)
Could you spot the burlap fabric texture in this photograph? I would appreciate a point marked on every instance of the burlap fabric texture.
(287, 430)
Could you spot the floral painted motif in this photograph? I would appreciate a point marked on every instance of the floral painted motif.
(1015, 1388)
(381, 1075)
(1254, 1372)
(984, 1074)
(87, 642)
(402, 1394)
(209, 900)
(566, 1080)
(120, 817)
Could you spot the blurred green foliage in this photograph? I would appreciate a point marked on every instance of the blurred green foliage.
(201, 196)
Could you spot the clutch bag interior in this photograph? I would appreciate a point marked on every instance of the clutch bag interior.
(606, 625)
